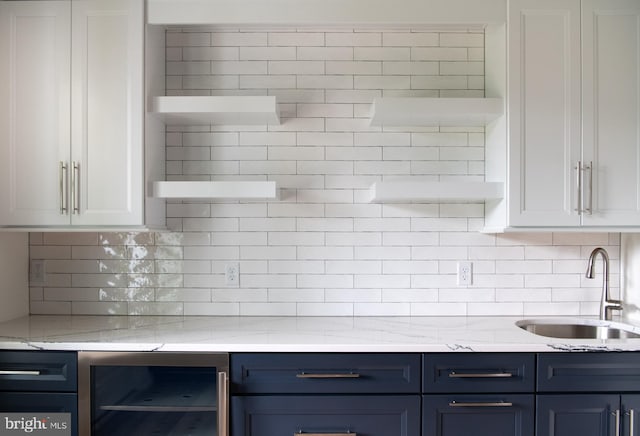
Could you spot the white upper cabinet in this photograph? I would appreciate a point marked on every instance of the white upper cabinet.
(544, 111)
(611, 111)
(573, 114)
(34, 111)
(72, 113)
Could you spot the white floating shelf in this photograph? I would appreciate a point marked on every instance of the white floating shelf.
(227, 190)
(195, 110)
(420, 111)
(415, 191)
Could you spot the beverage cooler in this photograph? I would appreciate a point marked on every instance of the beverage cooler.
(153, 393)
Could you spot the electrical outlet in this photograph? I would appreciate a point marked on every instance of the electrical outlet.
(36, 272)
(232, 275)
(465, 273)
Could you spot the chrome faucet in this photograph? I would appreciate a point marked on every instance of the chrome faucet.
(606, 304)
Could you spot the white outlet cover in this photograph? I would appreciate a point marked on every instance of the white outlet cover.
(232, 274)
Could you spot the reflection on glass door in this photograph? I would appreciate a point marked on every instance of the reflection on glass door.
(153, 394)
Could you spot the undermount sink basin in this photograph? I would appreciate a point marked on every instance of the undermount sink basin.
(579, 328)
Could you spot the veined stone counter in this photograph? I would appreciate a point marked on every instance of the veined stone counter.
(288, 334)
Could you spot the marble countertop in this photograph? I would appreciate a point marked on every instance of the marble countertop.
(288, 334)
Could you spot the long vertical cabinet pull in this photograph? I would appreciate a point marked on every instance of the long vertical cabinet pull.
(223, 404)
(589, 167)
(579, 186)
(64, 200)
(75, 182)
(631, 412)
(580, 169)
(616, 415)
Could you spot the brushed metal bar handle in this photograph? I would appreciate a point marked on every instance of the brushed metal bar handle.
(579, 184)
(325, 434)
(19, 372)
(590, 168)
(454, 374)
(631, 413)
(333, 375)
(64, 206)
(223, 404)
(480, 404)
(616, 414)
(76, 187)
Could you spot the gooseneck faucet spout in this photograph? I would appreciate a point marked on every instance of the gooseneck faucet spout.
(606, 303)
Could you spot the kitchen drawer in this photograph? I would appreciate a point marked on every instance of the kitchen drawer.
(478, 415)
(44, 371)
(593, 372)
(269, 415)
(38, 402)
(479, 372)
(325, 373)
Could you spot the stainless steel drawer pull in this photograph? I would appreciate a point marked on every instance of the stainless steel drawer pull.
(333, 375)
(498, 404)
(631, 414)
(346, 433)
(616, 414)
(454, 374)
(19, 372)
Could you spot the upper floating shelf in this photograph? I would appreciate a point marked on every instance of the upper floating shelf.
(196, 110)
(416, 191)
(420, 111)
(223, 190)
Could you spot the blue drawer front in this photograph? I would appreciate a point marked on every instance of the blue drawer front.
(272, 415)
(589, 372)
(51, 371)
(39, 402)
(580, 415)
(325, 373)
(478, 415)
(479, 372)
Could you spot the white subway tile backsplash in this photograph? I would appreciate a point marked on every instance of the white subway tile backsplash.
(321, 249)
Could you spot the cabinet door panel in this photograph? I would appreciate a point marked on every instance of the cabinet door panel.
(544, 110)
(447, 415)
(34, 110)
(362, 415)
(570, 415)
(631, 409)
(107, 97)
(611, 109)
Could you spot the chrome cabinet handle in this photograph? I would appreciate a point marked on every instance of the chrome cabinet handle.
(616, 414)
(631, 414)
(19, 372)
(64, 206)
(579, 186)
(223, 404)
(333, 375)
(454, 374)
(75, 193)
(480, 404)
(589, 167)
(346, 433)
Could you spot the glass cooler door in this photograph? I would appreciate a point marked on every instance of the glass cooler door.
(154, 394)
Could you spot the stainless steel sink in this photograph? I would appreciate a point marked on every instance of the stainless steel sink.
(578, 328)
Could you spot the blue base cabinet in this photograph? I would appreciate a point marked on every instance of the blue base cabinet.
(376, 415)
(478, 415)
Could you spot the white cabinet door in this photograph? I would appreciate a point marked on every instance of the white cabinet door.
(107, 112)
(34, 111)
(544, 112)
(611, 109)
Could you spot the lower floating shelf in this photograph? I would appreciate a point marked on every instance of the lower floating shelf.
(224, 190)
(416, 191)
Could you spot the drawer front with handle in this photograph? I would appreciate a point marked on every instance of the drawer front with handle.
(479, 372)
(325, 373)
(43, 371)
(343, 415)
(478, 415)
